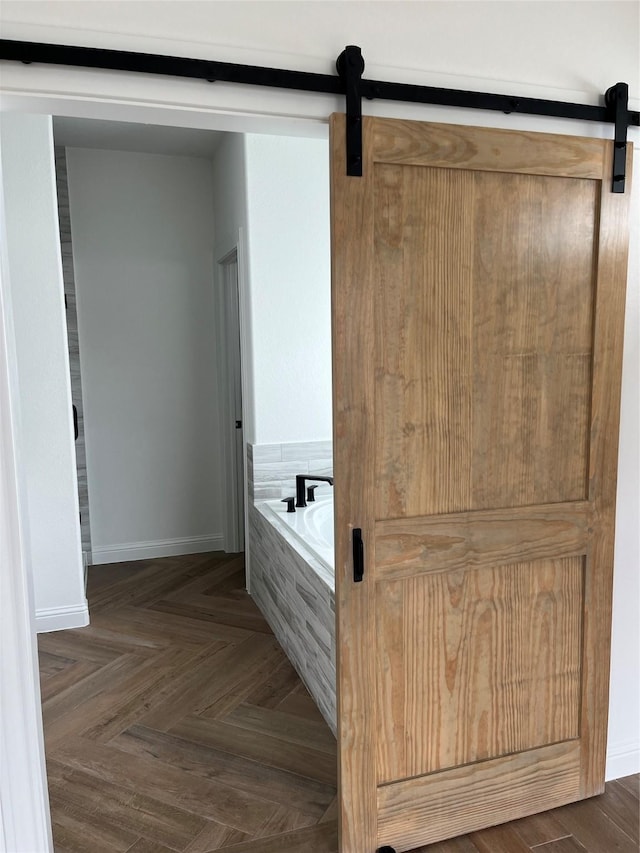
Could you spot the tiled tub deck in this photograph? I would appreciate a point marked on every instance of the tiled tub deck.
(295, 592)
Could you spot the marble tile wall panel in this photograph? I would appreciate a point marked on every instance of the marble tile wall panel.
(267, 453)
(308, 450)
(273, 469)
(64, 219)
(249, 463)
(300, 608)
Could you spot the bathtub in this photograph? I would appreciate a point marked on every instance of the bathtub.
(292, 582)
(310, 529)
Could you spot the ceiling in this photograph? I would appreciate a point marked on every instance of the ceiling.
(127, 136)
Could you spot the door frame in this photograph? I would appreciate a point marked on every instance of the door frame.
(226, 252)
(66, 92)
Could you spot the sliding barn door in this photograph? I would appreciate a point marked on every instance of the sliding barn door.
(478, 296)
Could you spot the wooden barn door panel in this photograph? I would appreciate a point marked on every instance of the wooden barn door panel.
(478, 291)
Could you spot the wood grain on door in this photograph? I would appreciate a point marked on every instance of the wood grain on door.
(478, 299)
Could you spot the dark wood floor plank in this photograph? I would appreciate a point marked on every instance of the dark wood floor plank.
(300, 703)
(263, 781)
(59, 713)
(265, 659)
(285, 819)
(209, 680)
(123, 640)
(157, 580)
(144, 845)
(66, 678)
(291, 728)
(215, 576)
(166, 785)
(499, 839)
(265, 750)
(563, 845)
(216, 580)
(129, 590)
(275, 688)
(72, 830)
(453, 845)
(631, 784)
(105, 712)
(540, 829)
(131, 701)
(77, 645)
(213, 610)
(145, 623)
(316, 839)
(184, 691)
(51, 664)
(108, 574)
(119, 808)
(214, 836)
(622, 808)
(331, 812)
(593, 828)
(222, 585)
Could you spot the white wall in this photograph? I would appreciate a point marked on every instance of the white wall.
(142, 228)
(290, 263)
(624, 705)
(276, 189)
(558, 48)
(33, 250)
(231, 217)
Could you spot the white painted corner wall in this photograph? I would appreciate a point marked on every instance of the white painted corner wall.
(275, 189)
(143, 237)
(231, 218)
(25, 824)
(290, 275)
(623, 751)
(37, 298)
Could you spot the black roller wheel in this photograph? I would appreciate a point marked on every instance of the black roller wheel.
(340, 64)
(610, 96)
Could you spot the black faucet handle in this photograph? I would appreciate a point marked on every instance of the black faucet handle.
(290, 502)
(311, 493)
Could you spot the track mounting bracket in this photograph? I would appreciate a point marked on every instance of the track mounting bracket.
(350, 66)
(616, 100)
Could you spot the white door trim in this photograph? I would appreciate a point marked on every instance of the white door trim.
(25, 824)
(233, 247)
(229, 373)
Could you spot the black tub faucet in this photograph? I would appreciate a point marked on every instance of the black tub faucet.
(301, 479)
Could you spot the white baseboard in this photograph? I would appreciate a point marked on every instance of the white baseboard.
(623, 759)
(60, 618)
(160, 548)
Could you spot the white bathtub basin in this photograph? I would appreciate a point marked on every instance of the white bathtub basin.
(311, 526)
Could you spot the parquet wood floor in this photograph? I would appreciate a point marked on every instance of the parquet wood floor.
(174, 722)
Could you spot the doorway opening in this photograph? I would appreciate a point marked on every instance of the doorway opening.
(231, 401)
(196, 646)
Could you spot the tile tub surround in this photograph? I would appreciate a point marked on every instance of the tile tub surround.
(288, 586)
(272, 468)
